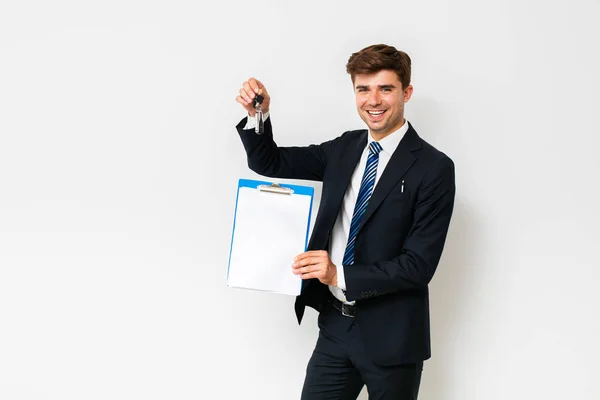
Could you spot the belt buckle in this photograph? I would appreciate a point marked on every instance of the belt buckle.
(346, 310)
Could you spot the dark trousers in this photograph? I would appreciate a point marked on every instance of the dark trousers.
(340, 367)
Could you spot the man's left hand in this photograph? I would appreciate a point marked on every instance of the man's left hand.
(316, 264)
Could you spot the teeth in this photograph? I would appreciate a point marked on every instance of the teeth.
(375, 112)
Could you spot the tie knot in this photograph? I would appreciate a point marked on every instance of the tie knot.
(375, 147)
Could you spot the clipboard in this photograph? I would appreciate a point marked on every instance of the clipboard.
(270, 227)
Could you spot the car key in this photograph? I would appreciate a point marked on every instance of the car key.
(258, 117)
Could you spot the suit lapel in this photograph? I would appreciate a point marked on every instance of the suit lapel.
(346, 166)
(400, 162)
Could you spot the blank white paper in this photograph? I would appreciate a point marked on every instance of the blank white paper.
(270, 229)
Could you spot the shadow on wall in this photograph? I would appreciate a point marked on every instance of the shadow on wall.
(449, 291)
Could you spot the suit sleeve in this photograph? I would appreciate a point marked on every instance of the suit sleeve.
(267, 159)
(422, 249)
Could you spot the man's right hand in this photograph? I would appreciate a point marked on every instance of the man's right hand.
(248, 92)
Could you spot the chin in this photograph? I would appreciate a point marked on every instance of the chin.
(377, 128)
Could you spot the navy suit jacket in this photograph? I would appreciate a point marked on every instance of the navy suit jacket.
(400, 239)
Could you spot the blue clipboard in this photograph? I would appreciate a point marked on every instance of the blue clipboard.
(271, 225)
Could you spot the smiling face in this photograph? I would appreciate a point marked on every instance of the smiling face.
(380, 101)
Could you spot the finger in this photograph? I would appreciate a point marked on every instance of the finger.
(311, 253)
(312, 268)
(306, 261)
(300, 257)
(305, 270)
(243, 102)
(257, 86)
(245, 96)
(249, 90)
(310, 260)
(310, 275)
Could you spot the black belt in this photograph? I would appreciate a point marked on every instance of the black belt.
(346, 309)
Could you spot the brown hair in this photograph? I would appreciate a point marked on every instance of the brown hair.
(378, 57)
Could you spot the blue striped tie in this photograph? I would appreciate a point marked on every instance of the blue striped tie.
(364, 194)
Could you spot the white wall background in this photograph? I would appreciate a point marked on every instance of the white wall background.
(119, 163)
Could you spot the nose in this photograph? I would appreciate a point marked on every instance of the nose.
(374, 98)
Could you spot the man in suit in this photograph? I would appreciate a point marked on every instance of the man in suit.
(385, 209)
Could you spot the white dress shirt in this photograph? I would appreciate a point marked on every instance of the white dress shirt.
(251, 121)
(341, 229)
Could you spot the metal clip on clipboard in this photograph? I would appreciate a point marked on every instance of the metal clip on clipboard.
(275, 188)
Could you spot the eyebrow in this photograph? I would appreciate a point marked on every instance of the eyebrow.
(380, 87)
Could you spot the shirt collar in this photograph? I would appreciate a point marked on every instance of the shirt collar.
(391, 141)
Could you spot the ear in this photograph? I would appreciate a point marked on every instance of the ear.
(407, 93)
